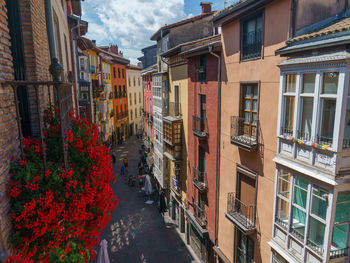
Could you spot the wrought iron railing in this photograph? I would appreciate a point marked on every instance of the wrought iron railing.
(244, 133)
(338, 253)
(58, 94)
(199, 214)
(243, 213)
(199, 127)
(252, 45)
(199, 179)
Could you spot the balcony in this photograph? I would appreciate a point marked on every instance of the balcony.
(199, 179)
(174, 109)
(199, 127)
(339, 253)
(244, 133)
(199, 215)
(240, 214)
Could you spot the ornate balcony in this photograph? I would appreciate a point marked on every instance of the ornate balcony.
(199, 215)
(244, 133)
(199, 179)
(199, 127)
(240, 214)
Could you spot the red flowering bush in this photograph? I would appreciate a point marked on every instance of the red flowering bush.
(56, 210)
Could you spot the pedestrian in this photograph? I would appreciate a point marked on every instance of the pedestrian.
(125, 162)
(162, 203)
(122, 170)
(114, 157)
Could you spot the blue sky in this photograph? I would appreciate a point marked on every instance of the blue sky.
(130, 23)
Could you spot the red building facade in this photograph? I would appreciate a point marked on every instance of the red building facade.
(148, 105)
(202, 144)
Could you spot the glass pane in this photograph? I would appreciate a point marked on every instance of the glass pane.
(306, 118)
(342, 213)
(298, 224)
(255, 92)
(327, 121)
(346, 141)
(289, 114)
(330, 83)
(247, 117)
(316, 233)
(290, 84)
(247, 92)
(301, 182)
(339, 237)
(284, 183)
(319, 202)
(247, 105)
(300, 193)
(255, 105)
(282, 212)
(309, 83)
(254, 115)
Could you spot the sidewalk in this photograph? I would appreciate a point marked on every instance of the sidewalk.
(137, 232)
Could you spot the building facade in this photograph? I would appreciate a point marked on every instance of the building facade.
(135, 99)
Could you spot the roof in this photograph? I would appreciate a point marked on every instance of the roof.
(114, 56)
(339, 26)
(150, 69)
(228, 10)
(179, 23)
(203, 42)
(130, 66)
(337, 33)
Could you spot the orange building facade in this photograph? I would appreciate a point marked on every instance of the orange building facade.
(120, 100)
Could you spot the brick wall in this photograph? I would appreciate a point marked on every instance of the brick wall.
(36, 54)
(8, 125)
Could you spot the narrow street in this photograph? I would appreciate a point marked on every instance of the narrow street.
(137, 231)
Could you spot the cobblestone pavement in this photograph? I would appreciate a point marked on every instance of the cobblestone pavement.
(137, 232)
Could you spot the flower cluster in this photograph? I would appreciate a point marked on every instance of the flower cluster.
(55, 208)
(306, 142)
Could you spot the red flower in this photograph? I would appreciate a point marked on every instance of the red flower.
(36, 179)
(23, 162)
(71, 114)
(69, 136)
(47, 173)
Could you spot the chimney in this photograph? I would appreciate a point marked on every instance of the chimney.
(206, 7)
(93, 42)
(114, 49)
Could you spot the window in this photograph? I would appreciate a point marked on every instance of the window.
(252, 38)
(115, 92)
(129, 81)
(123, 73)
(124, 91)
(130, 97)
(140, 97)
(307, 215)
(114, 73)
(249, 109)
(328, 106)
(134, 82)
(120, 91)
(346, 141)
(135, 113)
(289, 103)
(282, 199)
(245, 248)
(134, 97)
(139, 82)
(202, 76)
(341, 225)
(119, 73)
(131, 115)
(140, 111)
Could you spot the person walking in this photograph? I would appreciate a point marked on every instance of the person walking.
(125, 163)
(122, 170)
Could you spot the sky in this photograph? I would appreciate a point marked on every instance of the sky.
(131, 23)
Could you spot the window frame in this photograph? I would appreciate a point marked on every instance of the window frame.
(242, 22)
(337, 138)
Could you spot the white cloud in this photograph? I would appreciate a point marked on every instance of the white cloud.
(130, 23)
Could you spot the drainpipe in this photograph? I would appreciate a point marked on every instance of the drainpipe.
(49, 29)
(218, 115)
(294, 4)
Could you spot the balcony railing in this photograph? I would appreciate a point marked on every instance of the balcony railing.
(199, 179)
(343, 252)
(315, 247)
(58, 94)
(239, 213)
(244, 133)
(199, 127)
(199, 215)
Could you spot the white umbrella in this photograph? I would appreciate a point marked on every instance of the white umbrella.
(103, 253)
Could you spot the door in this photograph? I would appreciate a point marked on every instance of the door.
(249, 110)
(177, 100)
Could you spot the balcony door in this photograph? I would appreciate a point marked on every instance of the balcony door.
(246, 195)
(249, 109)
(202, 111)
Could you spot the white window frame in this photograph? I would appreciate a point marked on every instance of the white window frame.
(340, 102)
